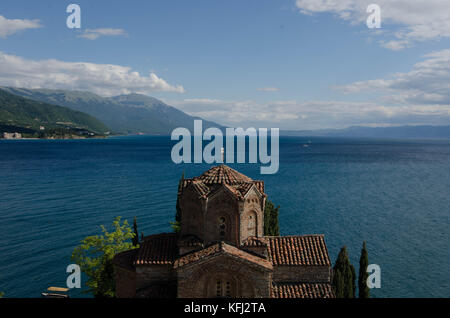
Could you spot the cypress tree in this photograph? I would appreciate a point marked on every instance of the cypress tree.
(363, 275)
(271, 224)
(274, 225)
(344, 285)
(177, 223)
(136, 235)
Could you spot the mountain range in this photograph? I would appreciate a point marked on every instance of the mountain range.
(124, 114)
(400, 132)
(18, 114)
(136, 113)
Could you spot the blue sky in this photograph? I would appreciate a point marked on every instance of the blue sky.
(290, 64)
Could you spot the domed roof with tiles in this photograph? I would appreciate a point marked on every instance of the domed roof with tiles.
(223, 174)
(210, 181)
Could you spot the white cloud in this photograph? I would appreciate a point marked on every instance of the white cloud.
(428, 83)
(311, 115)
(11, 26)
(268, 89)
(416, 20)
(103, 79)
(93, 34)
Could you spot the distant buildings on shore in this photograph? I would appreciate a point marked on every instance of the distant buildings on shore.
(12, 135)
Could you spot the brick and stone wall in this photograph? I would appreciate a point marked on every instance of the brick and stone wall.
(200, 279)
(222, 205)
(314, 274)
(125, 282)
(154, 274)
(191, 213)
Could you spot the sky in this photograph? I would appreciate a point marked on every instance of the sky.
(288, 64)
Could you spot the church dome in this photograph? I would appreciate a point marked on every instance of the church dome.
(223, 174)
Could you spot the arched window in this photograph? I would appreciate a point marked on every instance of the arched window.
(228, 289)
(219, 288)
(223, 288)
(222, 228)
(251, 224)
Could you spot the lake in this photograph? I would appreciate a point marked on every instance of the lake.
(395, 194)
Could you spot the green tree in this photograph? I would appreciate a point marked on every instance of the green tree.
(176, 225)
(136, 234)
(271, 224)
(344, 276)
(95, 255)
(363, 275)
(2, 294)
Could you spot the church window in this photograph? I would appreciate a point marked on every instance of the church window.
(219, 288)
(222, 227)
(228, 290)
(251, 225)
(223, 289)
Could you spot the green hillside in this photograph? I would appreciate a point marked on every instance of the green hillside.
(20, 114)
(125, 114)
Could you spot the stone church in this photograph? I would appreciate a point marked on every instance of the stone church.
(221, 250)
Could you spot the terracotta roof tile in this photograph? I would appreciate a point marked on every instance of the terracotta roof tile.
(252, 241)
(189, 241)
(157, 249)
(223, 174)
(302, 290)
(209, 182)
(125, 259)
(298, 250)
(218, 249)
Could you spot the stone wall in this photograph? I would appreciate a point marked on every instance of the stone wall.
(252, 212)
(222, 205)
(200, 280)
(191, 213)
(125, 282)
(154, 274)
(313, 274)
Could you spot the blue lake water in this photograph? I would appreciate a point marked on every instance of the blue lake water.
(394, 194)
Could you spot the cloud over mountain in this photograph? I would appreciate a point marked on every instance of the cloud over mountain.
(102, 79)
(426, 84)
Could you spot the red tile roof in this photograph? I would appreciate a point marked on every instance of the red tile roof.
(209, 182)
(125, 259)
(219, 249)
(157, 249)
(302, 290)
(223, 174)
(253, 241)
(308, 250)
(190, 241)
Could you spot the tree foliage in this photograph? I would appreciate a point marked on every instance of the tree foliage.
(176, 225)
(95, 254)
(136, 234)
(271, 224)
(363, 275)
(344, 276)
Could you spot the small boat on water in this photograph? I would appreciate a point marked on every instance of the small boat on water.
(56, 292)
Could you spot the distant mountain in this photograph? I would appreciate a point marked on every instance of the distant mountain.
(18, 114)
(408, 132)
(127, 114)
